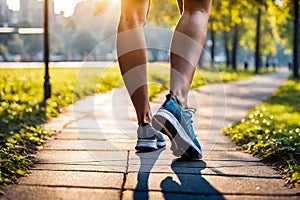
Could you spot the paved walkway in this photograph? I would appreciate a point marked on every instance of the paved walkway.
(92, 154)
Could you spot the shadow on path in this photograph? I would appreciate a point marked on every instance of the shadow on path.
(147, 162)
(191, 184)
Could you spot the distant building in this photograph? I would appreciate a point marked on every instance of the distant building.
(3, 7)
(3, 11)
(31, 11)
(13, 17)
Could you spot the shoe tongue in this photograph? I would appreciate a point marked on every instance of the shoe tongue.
(168, 97)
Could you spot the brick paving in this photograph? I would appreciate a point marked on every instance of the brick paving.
(92, 156)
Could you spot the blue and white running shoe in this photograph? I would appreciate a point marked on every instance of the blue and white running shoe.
(176, 123)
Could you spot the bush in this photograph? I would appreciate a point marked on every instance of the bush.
(271, 131)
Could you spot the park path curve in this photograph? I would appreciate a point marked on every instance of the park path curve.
(92, 154)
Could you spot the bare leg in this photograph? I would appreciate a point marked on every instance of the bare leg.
(186, 47)
(131, 49)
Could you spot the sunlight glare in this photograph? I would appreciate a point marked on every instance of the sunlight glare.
(279, 2)
(115, 1)
(13, 4)
(66, 6)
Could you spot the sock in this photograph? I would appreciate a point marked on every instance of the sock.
(143, 124)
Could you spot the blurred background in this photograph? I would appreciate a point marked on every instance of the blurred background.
(78, 26)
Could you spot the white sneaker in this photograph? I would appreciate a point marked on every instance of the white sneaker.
(149, 139)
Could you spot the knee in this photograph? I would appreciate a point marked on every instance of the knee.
(131, 20)
(192, 7)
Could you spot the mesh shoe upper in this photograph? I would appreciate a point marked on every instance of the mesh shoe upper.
(184, 116)
(148, 132)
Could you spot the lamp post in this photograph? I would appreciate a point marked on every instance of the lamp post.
(47, 85)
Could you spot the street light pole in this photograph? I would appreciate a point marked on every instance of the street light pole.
(47, 85)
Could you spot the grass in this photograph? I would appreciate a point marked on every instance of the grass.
(271, 131)
(22, 109)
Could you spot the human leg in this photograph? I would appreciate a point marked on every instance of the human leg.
(131, 50)
(187, 43)
(174, 118)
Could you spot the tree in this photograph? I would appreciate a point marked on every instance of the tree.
(2, 20)
(296, 40)
(163, 13)
(16, 46)
(229, 21)
(56, 44)
(257, 38)
(5, 38)
(235, 46)
(3, 49)
(235, 20)
(83, 42)
(237, 12)
(33, 44)
(265, 44)
(221, 14)
(226, 48)
(213, 41)
(282, 23)
(263, 38)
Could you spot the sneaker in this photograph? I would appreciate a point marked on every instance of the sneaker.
(176, 123)
(149, 139)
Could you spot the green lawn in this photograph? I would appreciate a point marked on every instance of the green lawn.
(22, 109)
(271, 131)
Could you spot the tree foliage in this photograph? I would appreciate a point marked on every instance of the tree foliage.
(228, 15)
(84, 42)
(16, 45)
(3, 49)
(163, 13)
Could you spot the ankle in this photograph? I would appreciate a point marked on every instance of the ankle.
(143, 124)
(179, 98)
(144, 120)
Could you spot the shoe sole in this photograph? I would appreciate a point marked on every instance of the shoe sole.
(146, 145)
(182, 145)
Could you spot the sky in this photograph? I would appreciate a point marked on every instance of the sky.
(64, 5)
(59, 5)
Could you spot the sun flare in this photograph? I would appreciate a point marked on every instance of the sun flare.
(67, 6)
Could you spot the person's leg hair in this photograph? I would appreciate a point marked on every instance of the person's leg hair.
(131, 48)
(187, 43)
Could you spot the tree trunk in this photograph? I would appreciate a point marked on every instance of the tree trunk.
(257, 42)
(267, 61)
(212, 50)
(296, 40)
(234, 46)
(200, 62)
(226, 49)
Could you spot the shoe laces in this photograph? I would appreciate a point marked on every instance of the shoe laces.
(187, 113)
(193, 110)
